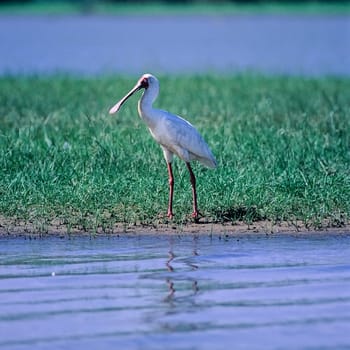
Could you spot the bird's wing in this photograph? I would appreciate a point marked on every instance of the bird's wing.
(176, 132)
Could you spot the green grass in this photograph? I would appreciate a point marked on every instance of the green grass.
(161, 8)
(282, 144)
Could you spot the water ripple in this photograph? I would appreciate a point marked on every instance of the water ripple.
(180, 293)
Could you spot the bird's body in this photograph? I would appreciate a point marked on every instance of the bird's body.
(174, 134)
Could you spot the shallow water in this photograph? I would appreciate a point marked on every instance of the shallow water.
(308, 45)
(175, 292)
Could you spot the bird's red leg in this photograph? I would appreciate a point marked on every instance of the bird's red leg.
(194, 192)
(171, 191)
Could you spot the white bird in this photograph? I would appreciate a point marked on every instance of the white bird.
(174, 134)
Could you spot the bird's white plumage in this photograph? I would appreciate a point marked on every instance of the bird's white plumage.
(174, 134)
(181, 138)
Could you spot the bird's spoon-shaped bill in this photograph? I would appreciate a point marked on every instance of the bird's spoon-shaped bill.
(117, 106)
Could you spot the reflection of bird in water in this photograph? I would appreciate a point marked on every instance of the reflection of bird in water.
(171, 258)
(170, 282)
(171, 288)
(195, 287)
(194, 267)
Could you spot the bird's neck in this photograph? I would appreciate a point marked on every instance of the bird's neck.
(145, 105)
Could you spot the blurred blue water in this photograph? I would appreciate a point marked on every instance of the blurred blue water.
(307, 45)
(175, 292)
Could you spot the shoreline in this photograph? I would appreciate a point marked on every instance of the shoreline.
(8, 229)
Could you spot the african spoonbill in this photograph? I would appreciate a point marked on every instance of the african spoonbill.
(174, 134)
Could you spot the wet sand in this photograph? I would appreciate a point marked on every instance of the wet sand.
(9, 227)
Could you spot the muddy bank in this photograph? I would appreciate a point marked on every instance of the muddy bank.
(10, 227)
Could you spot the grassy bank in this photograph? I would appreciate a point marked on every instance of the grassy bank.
(282, 146)
(161, 8)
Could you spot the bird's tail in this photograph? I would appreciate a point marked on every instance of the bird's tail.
(209, 162)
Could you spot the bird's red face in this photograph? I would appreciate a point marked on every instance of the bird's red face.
(143, 83)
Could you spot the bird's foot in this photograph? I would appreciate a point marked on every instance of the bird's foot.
(170, 215)
(196, 215)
